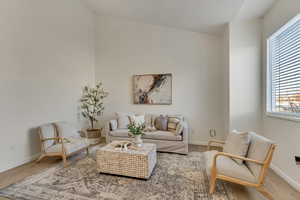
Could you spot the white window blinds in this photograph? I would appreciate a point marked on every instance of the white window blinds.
(284, 68)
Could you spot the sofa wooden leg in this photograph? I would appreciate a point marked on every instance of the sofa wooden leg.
(265, 193)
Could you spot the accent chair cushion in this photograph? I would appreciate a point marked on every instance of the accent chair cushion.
(237, 143)
(228, 167)
(258, 150)
(74, 144)
(66, 129)
(48, 131)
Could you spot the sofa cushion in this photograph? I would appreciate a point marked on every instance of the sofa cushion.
(120, 133)
(258, 150)
(162, 135)
(123, 119)
(237, 143)
(228, 167)
(155, 135)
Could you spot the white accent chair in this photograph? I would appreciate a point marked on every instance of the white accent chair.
(251, 173)
(60, 139)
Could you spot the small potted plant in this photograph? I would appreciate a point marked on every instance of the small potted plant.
(136, 131)
(92, 107)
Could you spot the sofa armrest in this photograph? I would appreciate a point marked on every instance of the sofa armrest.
(107, 129)
(185, 133)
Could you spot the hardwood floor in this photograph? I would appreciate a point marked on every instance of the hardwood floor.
(274, 184)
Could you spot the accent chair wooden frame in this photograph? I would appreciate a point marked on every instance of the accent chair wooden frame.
(259, 185)
(58, 140)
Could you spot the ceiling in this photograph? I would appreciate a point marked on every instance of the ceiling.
(207, 16)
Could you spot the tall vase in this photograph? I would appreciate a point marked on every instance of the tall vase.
(138, 140)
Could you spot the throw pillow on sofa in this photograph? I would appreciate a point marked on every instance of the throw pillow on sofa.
(179, 128)
(123, 119)
(237, 143)
(113, 124)
(161, 123)
(173, 121)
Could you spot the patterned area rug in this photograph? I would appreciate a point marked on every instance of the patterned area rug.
(176, 177)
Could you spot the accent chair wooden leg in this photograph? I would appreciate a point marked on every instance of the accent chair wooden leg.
(64, 157)
(264, 192)
(212, 186)
(40, 158)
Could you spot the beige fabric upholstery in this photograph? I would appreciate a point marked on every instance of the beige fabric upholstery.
(258, 150)
(137, 119)
(228, 167)
(165, 143)
(74, 144)
(123, 119)
(156, 135)
(66, 129)
(48, 131)
(237, 143)
(162, 135)
(121, 132)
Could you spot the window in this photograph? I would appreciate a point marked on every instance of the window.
(283, 90)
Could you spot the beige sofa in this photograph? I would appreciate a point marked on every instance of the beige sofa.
(166, 141)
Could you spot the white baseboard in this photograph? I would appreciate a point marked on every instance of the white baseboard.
(204, 143)
(19, 163)
(285, 177)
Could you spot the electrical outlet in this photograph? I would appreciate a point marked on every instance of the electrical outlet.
(297, 159)
(212, 132)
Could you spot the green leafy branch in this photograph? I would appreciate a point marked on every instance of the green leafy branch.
(136, 129)
(92, 103)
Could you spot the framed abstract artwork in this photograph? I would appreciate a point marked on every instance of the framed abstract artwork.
(153, 89)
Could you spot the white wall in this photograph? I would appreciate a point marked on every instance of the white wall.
(127, 48)
(225, 71)
(46, 56)
(245, 75)
(285, 133)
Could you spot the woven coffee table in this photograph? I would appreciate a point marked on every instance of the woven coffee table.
(138, 162)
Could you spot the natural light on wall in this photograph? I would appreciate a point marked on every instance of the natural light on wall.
(283, 87)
